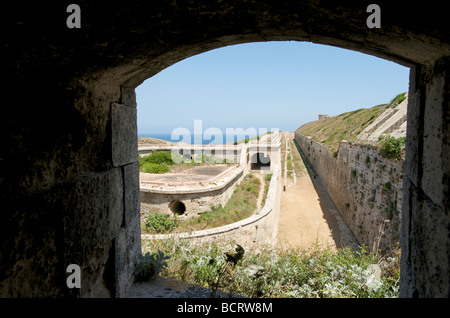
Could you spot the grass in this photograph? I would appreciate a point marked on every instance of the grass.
(318, 272)
(346, 126)
(268, 177)
(297, 161)
(241, 205)
(160, 162)
(157, 162)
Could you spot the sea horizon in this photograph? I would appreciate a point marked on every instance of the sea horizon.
(197, 139)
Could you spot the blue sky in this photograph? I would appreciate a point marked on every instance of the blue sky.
(265, 85)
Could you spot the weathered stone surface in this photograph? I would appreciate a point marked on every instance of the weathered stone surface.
(365, 187)
(31, 264)
(424, 257)
(92, 211)
(131, 196)
(61, 129)
(127, 247)
(123, 134)
(196, 201)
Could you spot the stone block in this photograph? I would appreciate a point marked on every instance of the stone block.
(414, 130)
(92, 209)
(425, 266)
(128, 96)
(131, 192)
(127, 247)
(123, 134)
(433, 142)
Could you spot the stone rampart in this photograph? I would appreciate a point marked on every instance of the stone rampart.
(365, 187)
(256, 230)
(196, 199)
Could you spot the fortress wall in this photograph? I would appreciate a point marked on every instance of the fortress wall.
(195, 200)
(252, 232)
(218, 153)
(365, 187)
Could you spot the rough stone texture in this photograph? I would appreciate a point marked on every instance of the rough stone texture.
(57, 129)
(365, 187)
(253, 232)
(195, 200)
(425, 244)
(124, 132)
(131, 196)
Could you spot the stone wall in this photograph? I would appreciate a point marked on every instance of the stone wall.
(257, 230)
(217, 153)
(365, 187)
(196, 200)
(66, 195)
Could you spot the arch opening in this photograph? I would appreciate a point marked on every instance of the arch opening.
(177, 207)
(374, 45)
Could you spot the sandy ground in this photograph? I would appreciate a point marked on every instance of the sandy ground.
(308, 216)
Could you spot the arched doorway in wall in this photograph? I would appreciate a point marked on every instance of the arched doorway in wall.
(258, 160)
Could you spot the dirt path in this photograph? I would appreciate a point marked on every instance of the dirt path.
(308, 215)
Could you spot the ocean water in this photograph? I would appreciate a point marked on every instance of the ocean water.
(198, 139)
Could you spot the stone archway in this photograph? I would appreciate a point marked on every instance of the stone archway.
(71, 191)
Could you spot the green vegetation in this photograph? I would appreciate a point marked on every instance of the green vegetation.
(150, 265)
(346, 126)
(157, 162)
(241, 205)
(160, 162)
(315, 272)
(392, 147)
(158, 223)
(397, 99)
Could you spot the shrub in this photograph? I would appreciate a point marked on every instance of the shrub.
(397, 99)
(250, 188)
(392, 147)
(156, 163)
(160, 157)
(158, 223)
(153, 167)
(150, 265)
(315, 272)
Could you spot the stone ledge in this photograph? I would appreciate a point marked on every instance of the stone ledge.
(177, 190)
(266, 210)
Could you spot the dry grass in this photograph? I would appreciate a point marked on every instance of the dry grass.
(346, 126)
(241, 205)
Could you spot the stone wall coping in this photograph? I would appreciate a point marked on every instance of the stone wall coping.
(209, 188)
(268, 207)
